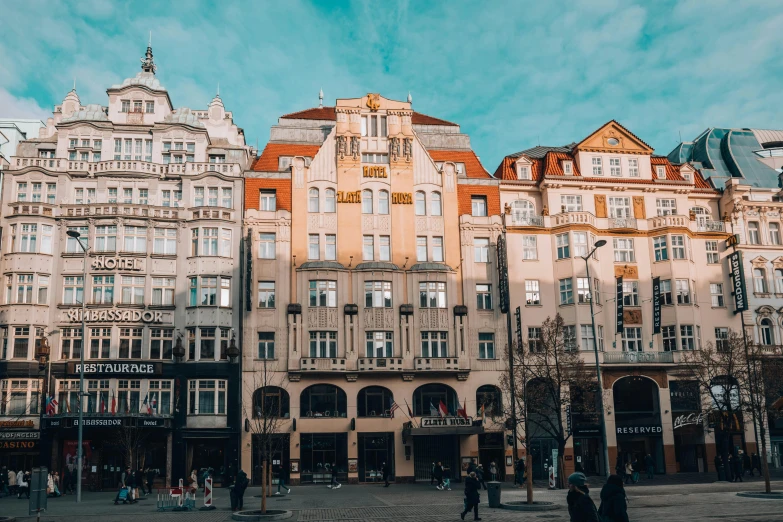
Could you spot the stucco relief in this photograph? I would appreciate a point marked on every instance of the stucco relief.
(321, 221)
(283, 230)
(600, 206)
(380, 318)
(373, 222)
(322, 317)
(429, 224)
(435, 318)
(466, 236)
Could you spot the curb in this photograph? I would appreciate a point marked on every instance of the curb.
(535, 506)
(775, 495)
(256, 516)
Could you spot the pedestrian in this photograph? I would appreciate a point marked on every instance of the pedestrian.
(480, 476)
(432, 474)
(493, 471)
(614, 502)
(619, 467)
(628, 472)
(738, 468)
(472, 496)
(193, 482)
(130, 481)
(23, 484)
(150, 479)
(746, 466)
(718, 465)
(12, 481)
(334, 484)
(385, 473)
(238, 491)
(755, 464)
(57, 488)
(447, 478)
(649, 465)
(282, 479)
(519, 472)
(438, 473)
(472, 466)
(70, 470)
(580, 506)
(139, 478)
(635, 468)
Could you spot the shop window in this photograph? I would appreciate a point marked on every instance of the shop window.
(427, 399)
(271, 401)
(323, 400)
(374, 401)
(489, 401)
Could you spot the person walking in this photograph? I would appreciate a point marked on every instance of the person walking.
(480, 476)
(193, 482)
(738, 468)
(649, 465)
(12, 481)
(282, 479)
(447, 478)
(438, 473)
(718, 465)
(472, 466)
(139, 478)
(23, 484)
(628, 472)
(385, 473)
(334, 484)
(472, 496)
(614, 502)
(130, 480)
(432, 474)
(519, 475)
(755, 464)
(493, 471)
(580, 506)
(150, 479)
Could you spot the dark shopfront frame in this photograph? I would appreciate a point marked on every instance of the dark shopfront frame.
(374, 449)
(19, 449)
(318, 452)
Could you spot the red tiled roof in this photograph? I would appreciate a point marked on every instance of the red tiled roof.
(553, 164)
(328, 113)
(700, 182)
(473, 167)
(507, 170)
(268, 161)
(672, 172)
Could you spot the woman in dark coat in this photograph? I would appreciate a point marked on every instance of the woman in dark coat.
(580, 506)
(614, 503)
(738, 468)
(472, 497)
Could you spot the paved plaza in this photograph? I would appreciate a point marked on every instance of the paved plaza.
(665, 499)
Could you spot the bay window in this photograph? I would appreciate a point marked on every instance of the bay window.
(323, 344)
(432, 294)
(434, 344)
(377, 294)
(323, 294)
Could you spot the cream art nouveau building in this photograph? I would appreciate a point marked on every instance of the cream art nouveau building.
(374, 293)
(155, 193)
(662, 222)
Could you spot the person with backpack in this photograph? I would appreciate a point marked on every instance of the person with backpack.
(493, 471)
(472, 496)
(238, 491)
(580, 506)
(614, 502)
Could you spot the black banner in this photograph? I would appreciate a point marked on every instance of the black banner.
(619, 300)
(518, 314)
(503, 275)
(737, 274)
(249, 272)
(656, 305)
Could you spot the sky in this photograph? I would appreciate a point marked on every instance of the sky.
(513, 74)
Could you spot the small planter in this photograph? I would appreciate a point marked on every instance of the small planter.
(255, 515)
(775, 495)
(524, 506)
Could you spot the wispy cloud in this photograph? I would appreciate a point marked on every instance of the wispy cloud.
(511, 73)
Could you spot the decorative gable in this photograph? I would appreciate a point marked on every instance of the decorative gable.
(613, 137)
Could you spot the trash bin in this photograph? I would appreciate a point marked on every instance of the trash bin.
(493, 494)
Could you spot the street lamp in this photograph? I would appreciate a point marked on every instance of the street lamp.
(42, 352)
(598, 244)
(80, 451)
(232, 351)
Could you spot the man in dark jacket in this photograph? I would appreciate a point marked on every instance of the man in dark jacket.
(385, 472)
(738, 468)
(614, 504)
(649, 465)
(756, 464)
(718, 465)
(472, 497)
(472, 466)
(519, 476)
(140, 481)
(238, 491)
(150, 479)
(480, 476)
(580, 506)
(437, 472)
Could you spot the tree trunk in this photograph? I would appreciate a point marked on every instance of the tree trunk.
(764, 465)
(263, 486)
(269, 481)
(529, 481)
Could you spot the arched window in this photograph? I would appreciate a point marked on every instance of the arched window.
(766, 334)
(522, 211)
(489, 397)
(435, 206)
(312, 200)
(421, 204)
(323, 400)
(271, 401)
(366, 201)
(383, 202)
(329, 200)
(427, 399)
(759, 280)
(374, 401)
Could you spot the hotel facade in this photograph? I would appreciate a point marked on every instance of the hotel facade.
(154, 193)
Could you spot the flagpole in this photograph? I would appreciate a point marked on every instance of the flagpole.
(406, 413)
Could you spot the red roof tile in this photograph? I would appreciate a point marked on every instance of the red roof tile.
(268, 161)
(473, 167)
(672, 172)
(700, 182)
(328, 113)
(553, 164)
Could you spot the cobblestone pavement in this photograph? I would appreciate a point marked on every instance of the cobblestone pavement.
(411, 503)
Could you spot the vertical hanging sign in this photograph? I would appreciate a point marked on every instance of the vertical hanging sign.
(503, 275)
(249, 272)
(738, 282)
(656, 305)
(619, 301)
(518, 315)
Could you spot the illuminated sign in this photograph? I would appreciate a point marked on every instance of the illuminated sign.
(737, 275)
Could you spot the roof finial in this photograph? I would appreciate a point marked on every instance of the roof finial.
(410, 98)
(147, 63)
(218, 90)
(321, 99)
(149, 43)
(74, 83)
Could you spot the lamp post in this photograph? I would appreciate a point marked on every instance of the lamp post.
(598, 244)
(42, 353)
(80, 451)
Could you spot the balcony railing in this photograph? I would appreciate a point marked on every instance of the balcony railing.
(26, 208)
(568, 218)
(436, 364)
(627, 223)
(638, 358)
(63, 165)
(667, 221)
(711, 225)
(322, 364)
(518, 220)
(114, 209)
(380, 364)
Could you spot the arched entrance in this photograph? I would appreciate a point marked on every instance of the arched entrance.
(638, 426)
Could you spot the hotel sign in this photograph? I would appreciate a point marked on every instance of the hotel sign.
(114, 315)
(737, 275)
(374, 172)
(445, 422)
(116, 263)
(402, 198)
(16, 424)
(397, 198)
(117, 368)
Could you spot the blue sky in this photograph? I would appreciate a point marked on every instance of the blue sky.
(513, 74)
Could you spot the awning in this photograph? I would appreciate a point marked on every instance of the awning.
(450, 430)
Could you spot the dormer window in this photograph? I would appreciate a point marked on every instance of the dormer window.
(597, 167)
(523, 172)
(460, 168)
(686, 176)
(149, 107)
(125, 106)
(284, 162)
(568, 168)
(660, 171)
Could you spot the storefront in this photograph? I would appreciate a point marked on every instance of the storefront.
(280, 452)
(19, 444)
(492, 448)
(320, 453)
(688, 426)
(375, 449)
(638, 421)
(437, 439)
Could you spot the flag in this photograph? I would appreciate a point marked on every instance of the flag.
(462, 412)
(154, 404)
(51, 405)
(113, 403)
(433, 410)
(103, 405)
(149, 406)
(442, 409)
(410, 413)
(394, 406)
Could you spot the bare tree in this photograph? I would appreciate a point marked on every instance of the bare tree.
(265, 414)
(740, 381)
(130, 439)
(550, 376)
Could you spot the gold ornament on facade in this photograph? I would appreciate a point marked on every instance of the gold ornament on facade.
(373, 101)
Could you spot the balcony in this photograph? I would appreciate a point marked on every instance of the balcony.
(570, 218)
(114, 209)
(628, 223)
(322, 365)
(380, 364)
(435, 364)
(31, 209)
(638, 358)
(138, 166)
(518, 220)
(667, 221)
(710, 225)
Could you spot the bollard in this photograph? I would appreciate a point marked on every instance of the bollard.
(207, 495)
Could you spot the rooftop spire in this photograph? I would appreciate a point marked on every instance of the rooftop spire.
(218, 90)
(147, 63)
(321, 99)
(410, 98)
